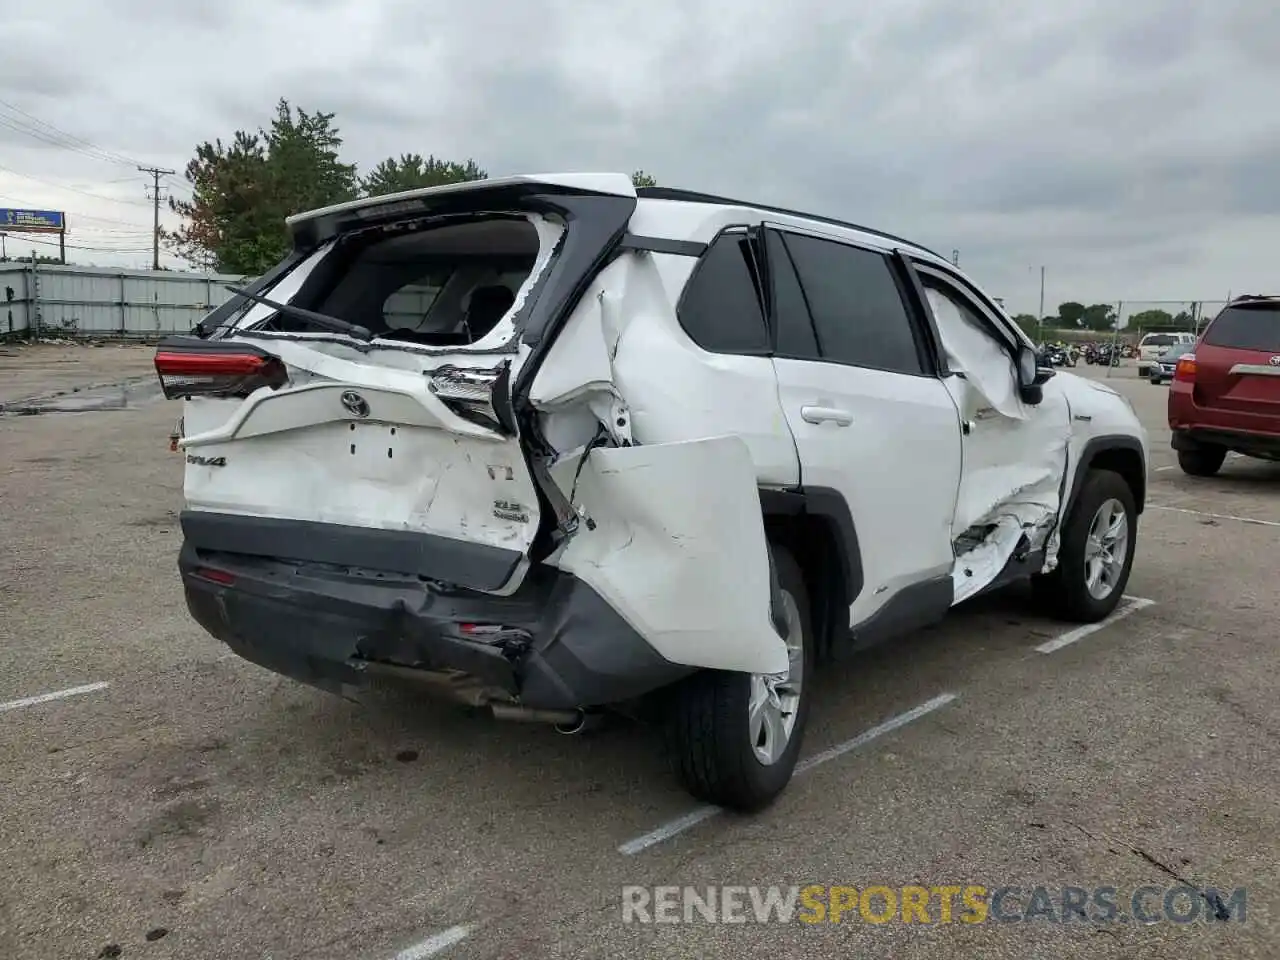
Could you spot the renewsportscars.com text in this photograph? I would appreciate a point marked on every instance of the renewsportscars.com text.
(943, 904)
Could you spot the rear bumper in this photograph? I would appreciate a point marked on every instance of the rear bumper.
(1192, 424)
(1254, 444)
(562, 646)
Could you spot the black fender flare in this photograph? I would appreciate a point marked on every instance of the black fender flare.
(831, 507)
(1098, 447)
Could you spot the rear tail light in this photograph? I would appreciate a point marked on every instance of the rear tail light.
(480, 396)
(207, 369)
(1185, 371)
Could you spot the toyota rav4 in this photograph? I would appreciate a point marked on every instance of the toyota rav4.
(552, 444)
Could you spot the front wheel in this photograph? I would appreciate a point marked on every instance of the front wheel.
(1096, 552)
(735, 737)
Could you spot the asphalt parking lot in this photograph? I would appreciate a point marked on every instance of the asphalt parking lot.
(162, 799)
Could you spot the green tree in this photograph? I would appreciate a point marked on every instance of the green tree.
(642, 179)
(243, 191)
(412, 172)
(1099, 316)
(1028, 324)
(1071, 314)
(1151, 319)
(1183, 321)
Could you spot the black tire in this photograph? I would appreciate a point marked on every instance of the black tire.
(708, 733)
(1203, 461)
(1064, 593)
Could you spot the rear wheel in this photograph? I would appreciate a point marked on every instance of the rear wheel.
(1203, 461)
(1096, 553)
(735, 737)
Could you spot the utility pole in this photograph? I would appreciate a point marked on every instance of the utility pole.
(1040, 315)
(156, 174)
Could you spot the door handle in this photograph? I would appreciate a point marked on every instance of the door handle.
(841, 418)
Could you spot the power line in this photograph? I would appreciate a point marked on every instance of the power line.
(86, 193)
(92, 249)
(84, 216)
(156, 174)
(41, 130)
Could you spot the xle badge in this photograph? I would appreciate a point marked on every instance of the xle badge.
(510, 510)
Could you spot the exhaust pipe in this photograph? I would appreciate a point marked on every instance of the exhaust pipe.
(580, 724)
(514, 711)
(568, 722)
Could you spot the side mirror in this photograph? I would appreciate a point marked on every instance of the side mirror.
(1031, 376)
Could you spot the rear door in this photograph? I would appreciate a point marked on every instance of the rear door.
(1238, 365)
(401, 451)
(870, 419)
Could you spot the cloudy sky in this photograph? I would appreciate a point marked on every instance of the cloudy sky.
(1130, 148)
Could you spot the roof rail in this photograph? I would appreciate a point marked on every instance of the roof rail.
(693, 196)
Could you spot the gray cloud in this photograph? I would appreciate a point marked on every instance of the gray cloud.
(1128, 147)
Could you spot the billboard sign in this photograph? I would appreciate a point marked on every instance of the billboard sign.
(32, 221)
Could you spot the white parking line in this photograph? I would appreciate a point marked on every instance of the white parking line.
(698, 815)
(1132, 605)
(669, 830)
(1216, 516)
(433, 945)
(56, 695)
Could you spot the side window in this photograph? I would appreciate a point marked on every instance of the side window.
(951, 304)
(857, 309)
(972, 346)
(954, 315)
(789, 311)
(720, 309)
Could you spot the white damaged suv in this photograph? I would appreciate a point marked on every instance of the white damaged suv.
(551, 444)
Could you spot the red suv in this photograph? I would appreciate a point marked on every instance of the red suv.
(1226, 394)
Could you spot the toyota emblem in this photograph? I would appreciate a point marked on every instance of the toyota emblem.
(355, 404)
(1275, 361)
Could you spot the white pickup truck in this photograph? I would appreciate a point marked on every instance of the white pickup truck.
(1153, 344)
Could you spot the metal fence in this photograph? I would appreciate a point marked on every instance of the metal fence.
(1129, 320)
(50, 300)
(1139, 317)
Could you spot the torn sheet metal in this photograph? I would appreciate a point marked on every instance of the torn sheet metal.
(678, 549)
(1011, 486)
(1015, 455)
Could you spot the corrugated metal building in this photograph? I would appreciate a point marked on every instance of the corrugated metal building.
(50, 300)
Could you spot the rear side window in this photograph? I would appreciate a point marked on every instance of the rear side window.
(720, 309)
(856, 306)
(1246, 328)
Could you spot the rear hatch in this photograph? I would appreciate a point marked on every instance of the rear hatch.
(378, 420)
(1238, 364)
